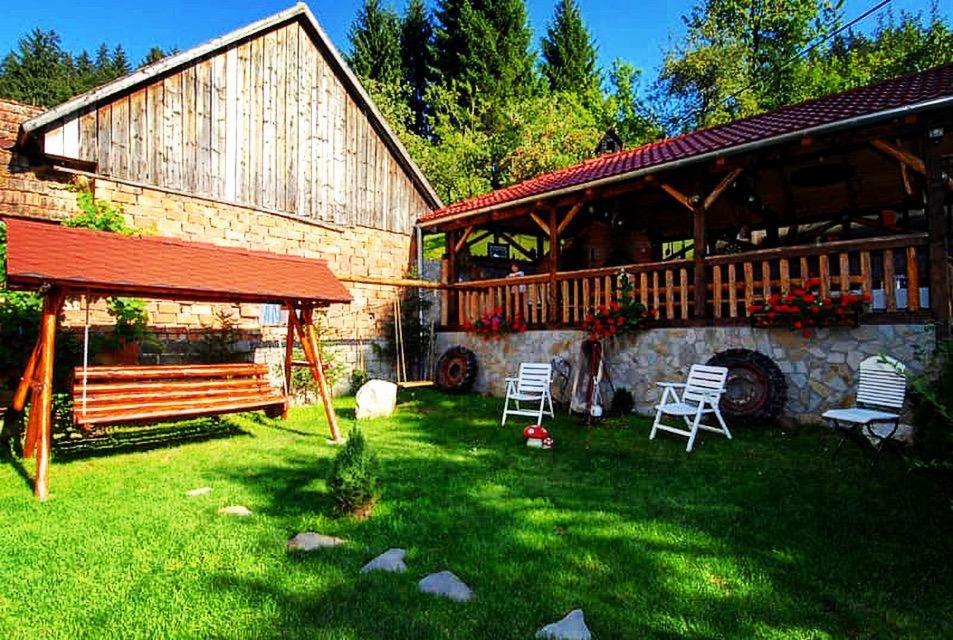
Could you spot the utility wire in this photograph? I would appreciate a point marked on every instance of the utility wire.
(800, 54)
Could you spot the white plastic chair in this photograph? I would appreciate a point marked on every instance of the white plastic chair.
(530, 386)
(882, 386)
(700, 396)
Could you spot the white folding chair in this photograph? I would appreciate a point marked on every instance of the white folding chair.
(699, 396)
(530, 386)
(882, 386)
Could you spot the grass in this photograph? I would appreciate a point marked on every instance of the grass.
(760, 537)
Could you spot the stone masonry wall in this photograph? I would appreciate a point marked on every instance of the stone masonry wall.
(821, 371)
(348, 330)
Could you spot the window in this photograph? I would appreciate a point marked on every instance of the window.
(272, 315)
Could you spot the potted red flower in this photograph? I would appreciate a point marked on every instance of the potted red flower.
(495, 324)
(621, 315)
(804, 309)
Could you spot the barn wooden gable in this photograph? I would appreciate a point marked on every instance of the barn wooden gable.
(268, 116)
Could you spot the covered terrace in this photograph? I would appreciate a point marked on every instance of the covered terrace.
(851, 190)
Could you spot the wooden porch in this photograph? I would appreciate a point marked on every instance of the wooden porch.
(892, 270)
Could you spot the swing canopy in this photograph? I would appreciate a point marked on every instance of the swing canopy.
(102, 263)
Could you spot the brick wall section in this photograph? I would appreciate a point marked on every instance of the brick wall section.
(37, 193)
(42, 193)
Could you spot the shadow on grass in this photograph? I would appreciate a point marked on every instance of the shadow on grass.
(129, 439)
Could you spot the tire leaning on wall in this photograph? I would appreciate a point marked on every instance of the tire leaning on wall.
(757, 389)
(456, 370)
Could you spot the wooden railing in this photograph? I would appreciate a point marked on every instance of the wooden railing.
(892, 270)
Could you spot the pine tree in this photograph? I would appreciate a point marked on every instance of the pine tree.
(120, 62)
(569, 57)
(416, 49)
(37, 72)
(484, 47)
(152, 56)
(375, 44)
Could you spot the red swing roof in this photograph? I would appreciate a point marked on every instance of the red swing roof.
(908, 93)
(104, 263)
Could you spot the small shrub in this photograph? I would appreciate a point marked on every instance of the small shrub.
(622, 401)
(353, 480)
(358, 378)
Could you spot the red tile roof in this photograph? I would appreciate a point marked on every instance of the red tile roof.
(39, 252)
(896, 93)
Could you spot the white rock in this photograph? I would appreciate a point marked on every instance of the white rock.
(391, 560)
(235, 510)
(309, 541)
(375, 399)
(447, 585)
(572, 627)
(201, 491)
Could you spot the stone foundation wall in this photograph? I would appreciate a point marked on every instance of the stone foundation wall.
(821, 371)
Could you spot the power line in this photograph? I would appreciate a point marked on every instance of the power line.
(800, 54)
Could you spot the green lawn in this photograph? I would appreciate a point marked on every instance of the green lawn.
(760, 537)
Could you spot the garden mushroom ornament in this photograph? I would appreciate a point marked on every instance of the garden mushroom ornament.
(537, 437)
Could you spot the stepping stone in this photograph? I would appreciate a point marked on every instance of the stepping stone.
(572, 627)
(235, 510)
(391, 560)
(309, 541)
(201, 491)
(446, 585)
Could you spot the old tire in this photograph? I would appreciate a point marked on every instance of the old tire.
(456, 370)
(756, 388)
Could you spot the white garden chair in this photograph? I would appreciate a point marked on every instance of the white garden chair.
(700, 396)
(531, 386)
(882, 386)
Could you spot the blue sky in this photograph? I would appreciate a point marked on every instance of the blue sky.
(631, 29)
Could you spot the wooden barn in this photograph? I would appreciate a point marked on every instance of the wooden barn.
(261, 139)
(849, 194)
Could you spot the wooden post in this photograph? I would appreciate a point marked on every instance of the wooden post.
(43, 391)
(698, 226)
(26, 382)
(552, 306)
(289, 358)
(451, 252)
(937, 227)
(312, 352)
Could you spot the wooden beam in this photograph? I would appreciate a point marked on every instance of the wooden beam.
(289, 359)
(553, 267)
(938, 249)
(539, 222)
(730, 177)
(312, 352)
(680, 197)
(26, 380)
(907, 159)
(463, 238)
(392, 282)
(510, 240)
(576, 208)
(483, 235)
(699, 234)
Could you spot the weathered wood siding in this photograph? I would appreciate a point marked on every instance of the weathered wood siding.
(265, 123)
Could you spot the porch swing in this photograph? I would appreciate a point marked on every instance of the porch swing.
(61, 262)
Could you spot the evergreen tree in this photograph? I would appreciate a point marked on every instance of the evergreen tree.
(416, 50)
(37, 71)
(119, 65)
(375, 44)
(569, 56)
(484, 48)
(152, 56)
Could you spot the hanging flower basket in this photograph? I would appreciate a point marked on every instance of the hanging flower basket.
(495, 325)
(805, 309)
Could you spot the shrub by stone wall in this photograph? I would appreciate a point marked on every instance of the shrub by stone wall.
(821, 371)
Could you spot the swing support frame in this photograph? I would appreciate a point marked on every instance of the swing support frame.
(63, 262)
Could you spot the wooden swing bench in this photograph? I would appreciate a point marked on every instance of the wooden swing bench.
(106, 395)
